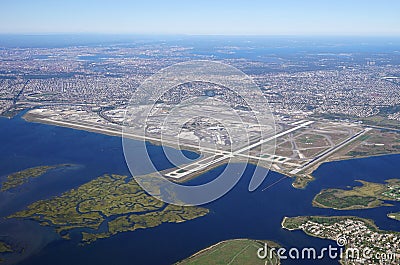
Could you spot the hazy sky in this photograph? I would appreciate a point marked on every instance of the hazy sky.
(279, 17)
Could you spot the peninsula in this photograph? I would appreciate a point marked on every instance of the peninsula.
(369, 195)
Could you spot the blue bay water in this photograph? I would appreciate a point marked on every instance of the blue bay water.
(238, 214)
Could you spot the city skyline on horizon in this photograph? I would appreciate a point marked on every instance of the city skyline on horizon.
(236, 18)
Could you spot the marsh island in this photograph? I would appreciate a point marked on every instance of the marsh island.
(114, 202)
(19, 178)
(369, 195)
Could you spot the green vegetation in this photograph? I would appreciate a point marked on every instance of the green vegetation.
(302, 180)
(4, 248)
(381, 120)
(332, 199)
(305, 141)
(309, 138)
(357, 153)
(19, 178)
(132, 222)
(117, 200)
(377, 120)
(369, 195)
(392, 192)
(236, 251)
(375, 142)
(395, 216)
(295, 223)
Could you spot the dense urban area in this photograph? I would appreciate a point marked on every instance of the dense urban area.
(343, 84)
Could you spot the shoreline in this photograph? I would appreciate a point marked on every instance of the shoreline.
(110, 131)
(300, 181)
(204, 250)
(113, 130)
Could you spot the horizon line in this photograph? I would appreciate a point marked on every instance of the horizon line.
(194, 35)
